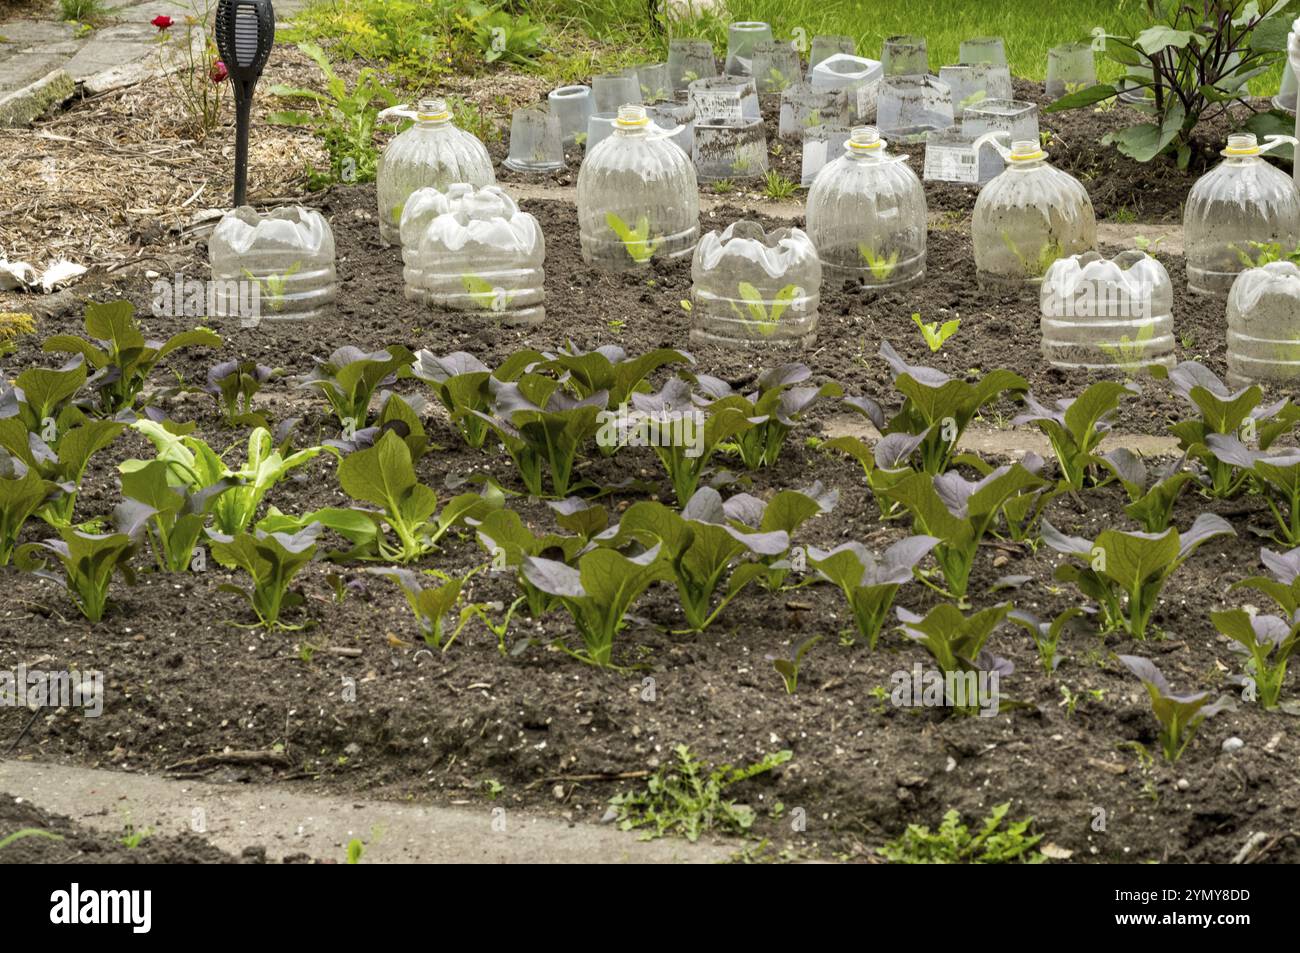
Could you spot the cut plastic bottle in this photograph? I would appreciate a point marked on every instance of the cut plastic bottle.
(1241, 209)
(638, 199)
(433, 153)
(867, 215)
(1264, 325)
(1028, 217)
(1108, 315)
(472, 249)
(755, 288)
(277, 267)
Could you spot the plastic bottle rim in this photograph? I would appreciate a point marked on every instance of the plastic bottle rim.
(1028, 156)
(433, 117)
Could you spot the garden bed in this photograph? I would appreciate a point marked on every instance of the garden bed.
(184, 681)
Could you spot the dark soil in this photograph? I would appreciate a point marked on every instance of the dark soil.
(184, 680)
(73, 843)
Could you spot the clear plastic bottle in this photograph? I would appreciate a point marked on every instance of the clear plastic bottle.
(285, 258)
(471, 249)
(1236, 211)
(866, 215)
(1102, 314)
(1027, 217)
(637, 196)
(751, 287)
(1264, 325)
(422, 207)
(432, 153)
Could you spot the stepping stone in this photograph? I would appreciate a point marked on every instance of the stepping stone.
(20, 107)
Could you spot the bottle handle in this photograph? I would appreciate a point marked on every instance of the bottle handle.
(657, 131)
(392, 113)
(1272, 142)
(994, 138)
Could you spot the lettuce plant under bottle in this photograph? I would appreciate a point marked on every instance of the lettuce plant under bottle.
(1241, 209)
(867, 215)
(433, 153)
(1028, 217)
(472, 249)
(755, 288)
(638, 199)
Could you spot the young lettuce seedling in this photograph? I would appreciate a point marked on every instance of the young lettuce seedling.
(581, 517)
(396, 414)
(174, 514)
(196, 466)
(1179, 715)
(609, 369)
(63, 459)
(936, 335)
(1076, 427)
(384, 477)
(774, 409)
(460, 382)
(598, 593)
(271, 561)
(788, 666)
(45, 396)
(1276, 474)
(938, 408)
(1225, 413)
(1152, 506)
(885, 464)
(433, 607)
(870, 584)
(785, 512)
(507, 541)
(234, 384)
(686, 460)
(1284, 587)
(700, 545)
(543, 428)
(349, 378)
(1047, 635)
(1268, 641)
(956, 643)
(22, 491)
(88, 561)
(1124, 572)
(961, 513)
(119, 354)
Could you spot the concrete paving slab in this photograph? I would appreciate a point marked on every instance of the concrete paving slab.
(286, 822)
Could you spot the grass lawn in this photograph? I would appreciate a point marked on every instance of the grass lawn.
(1028, 27)
(587, 36)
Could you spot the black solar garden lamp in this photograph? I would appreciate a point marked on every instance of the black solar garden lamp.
(245, 34)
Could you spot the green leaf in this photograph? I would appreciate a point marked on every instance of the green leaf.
(1087, 96)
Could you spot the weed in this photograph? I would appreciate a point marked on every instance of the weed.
(683, 798)
(953, 843)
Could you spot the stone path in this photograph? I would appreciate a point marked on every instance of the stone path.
(44, 61)
(284, 821)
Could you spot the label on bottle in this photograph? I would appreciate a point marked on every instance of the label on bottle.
(868, 94)
(951, 163)
(723, 104)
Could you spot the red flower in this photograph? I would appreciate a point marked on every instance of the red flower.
(161, 21)
(219, 72)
